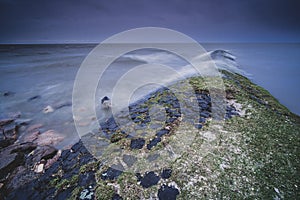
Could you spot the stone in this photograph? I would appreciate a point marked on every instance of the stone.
(137, 143)
(44, 152)
(39, 168)
(111, 174)
(49, 137)
(149, 180)
(166, 173)
(153, 143)
(22, 122)
(30, 137)
(129, 160)
(34, 127)
(48, 109)
(4, 122)
(166, 192)
(162, 132)
(34, 97)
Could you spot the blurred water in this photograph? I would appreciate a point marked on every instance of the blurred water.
(49, 71)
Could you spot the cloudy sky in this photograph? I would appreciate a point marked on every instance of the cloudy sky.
(40, 21)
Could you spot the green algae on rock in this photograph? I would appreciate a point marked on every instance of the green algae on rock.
(252, 153)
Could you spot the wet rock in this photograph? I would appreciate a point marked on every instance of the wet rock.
(111, 174)
(9, 162)
(48, 109)
(34, 127)
(162, 132)
(149, 180)
(20, 177)
(166, 173)
(205, 114)
(44, 152)
(30, 137)
(49, 137)
(166, 192)
(8, 93)
(137, 143)
(4, 122)
(22, 122)
(153, 143)
(34, 97)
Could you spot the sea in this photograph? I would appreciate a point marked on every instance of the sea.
(34, 76)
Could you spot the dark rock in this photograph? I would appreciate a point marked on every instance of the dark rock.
(166, 173)
(4, 122)
(153, 143)
(116, 197)
(34, 97)
(162, 132)
(8, 93)
(22, 122)
(111, 174)
(9, 162)
(86, 179)
(63, 195)
(129, 160)
(167, 192)
(44, 152)
(137, 143)
(205, 114)
(149, 180)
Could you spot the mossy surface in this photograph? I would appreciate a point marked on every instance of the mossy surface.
(251, 156)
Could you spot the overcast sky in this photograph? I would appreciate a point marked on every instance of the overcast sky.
(39, 21)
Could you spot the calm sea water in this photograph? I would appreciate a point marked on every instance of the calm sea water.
(49, 71)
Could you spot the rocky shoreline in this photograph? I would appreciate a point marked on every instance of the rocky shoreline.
(238, 163)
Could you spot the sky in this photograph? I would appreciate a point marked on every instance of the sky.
(77, 21)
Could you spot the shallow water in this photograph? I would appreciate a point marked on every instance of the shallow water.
(49, 71)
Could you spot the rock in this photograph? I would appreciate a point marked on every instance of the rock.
(22, 122)
(4, 122)
(44, 152)
(53, 160)
(30, 137)
(137, 143)
(8, 163)
(153, 143)
(129, 160)
(149, 180)
(34, 127)
(34, 97)
(49, 137)
(39, 168)
(111, 174)
(48, 109)
(162, 132)
(8, 93)
(166, 192)
(166, 173)
(19, 177)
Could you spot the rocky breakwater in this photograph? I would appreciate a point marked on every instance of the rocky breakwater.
(25, 152)
(244, 158)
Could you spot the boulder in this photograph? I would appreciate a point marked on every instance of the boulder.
(49, 137)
